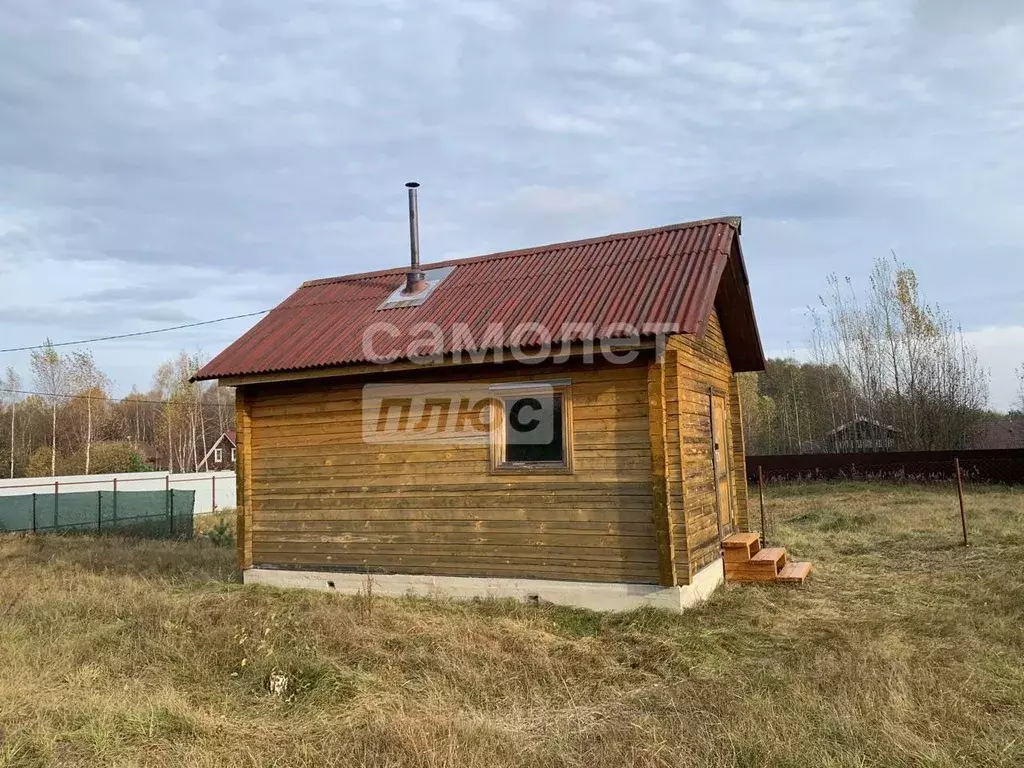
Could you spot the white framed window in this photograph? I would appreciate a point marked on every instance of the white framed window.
(232, 455)
(218, 455)
(531, 428)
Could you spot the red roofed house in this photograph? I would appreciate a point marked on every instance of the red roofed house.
(557, 423)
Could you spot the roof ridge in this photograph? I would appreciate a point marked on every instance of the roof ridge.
(733, 221)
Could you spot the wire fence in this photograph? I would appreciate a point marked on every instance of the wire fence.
(962, 474)
(167, 514)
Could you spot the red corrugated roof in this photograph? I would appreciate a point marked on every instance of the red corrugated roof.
(665, 277)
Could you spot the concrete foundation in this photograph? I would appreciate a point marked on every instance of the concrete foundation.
(593, 595)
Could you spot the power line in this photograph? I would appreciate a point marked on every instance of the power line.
(124, 399)
(302, 305)
(136, 333)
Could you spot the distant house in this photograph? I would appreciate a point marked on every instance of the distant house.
(148, 453)
(222, 456)
(634, 484)
(862, 435)
(998, 432)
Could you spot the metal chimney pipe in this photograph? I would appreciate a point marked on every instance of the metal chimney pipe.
(414, 225)
(415, 279)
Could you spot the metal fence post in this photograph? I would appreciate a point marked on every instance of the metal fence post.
(213, 493)
(760, 492)
(960, 493)
(172, 513)
(114, 515)
(33, 512)
(99, 511)
(56, 505)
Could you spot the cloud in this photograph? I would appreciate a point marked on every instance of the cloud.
(223, 153)
(1001, 352)
(69, 317)
(136, 294)
(561, 122)
(535, 214)
(952, 17)
(490, 15)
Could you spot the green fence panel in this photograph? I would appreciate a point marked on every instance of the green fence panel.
(151, 514)
(16, 513)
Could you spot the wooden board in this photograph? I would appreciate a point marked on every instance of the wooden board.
(662, 507)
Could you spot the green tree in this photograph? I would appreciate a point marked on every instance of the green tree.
(40, 463)
(107, 458)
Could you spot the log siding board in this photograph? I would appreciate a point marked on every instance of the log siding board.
(662, 496)
(317, 496)
(675, 442)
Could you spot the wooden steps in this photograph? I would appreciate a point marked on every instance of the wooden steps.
(747, 562)
(794, 573)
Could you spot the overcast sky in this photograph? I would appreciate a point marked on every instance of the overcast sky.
(164, 162)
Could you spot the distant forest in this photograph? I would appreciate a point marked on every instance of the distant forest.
(63, 421)
(885, 358)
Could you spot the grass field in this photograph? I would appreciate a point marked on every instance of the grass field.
(905, 649)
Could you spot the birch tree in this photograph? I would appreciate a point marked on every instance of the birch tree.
(11, 383)
(53, 380)
(791, 406)
(92, 385)
(182, 420)
(136, 418)
(909, 364)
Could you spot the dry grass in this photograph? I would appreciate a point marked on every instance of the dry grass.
(905, 650)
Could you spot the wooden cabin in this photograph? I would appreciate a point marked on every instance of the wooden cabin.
(636, 494)
(223, 454)
(862, 435)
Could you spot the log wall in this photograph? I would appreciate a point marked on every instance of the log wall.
(699, 366)
(319, 496)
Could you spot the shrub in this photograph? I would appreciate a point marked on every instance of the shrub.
(220, 534)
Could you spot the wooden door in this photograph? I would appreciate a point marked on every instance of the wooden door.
(720, 452)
